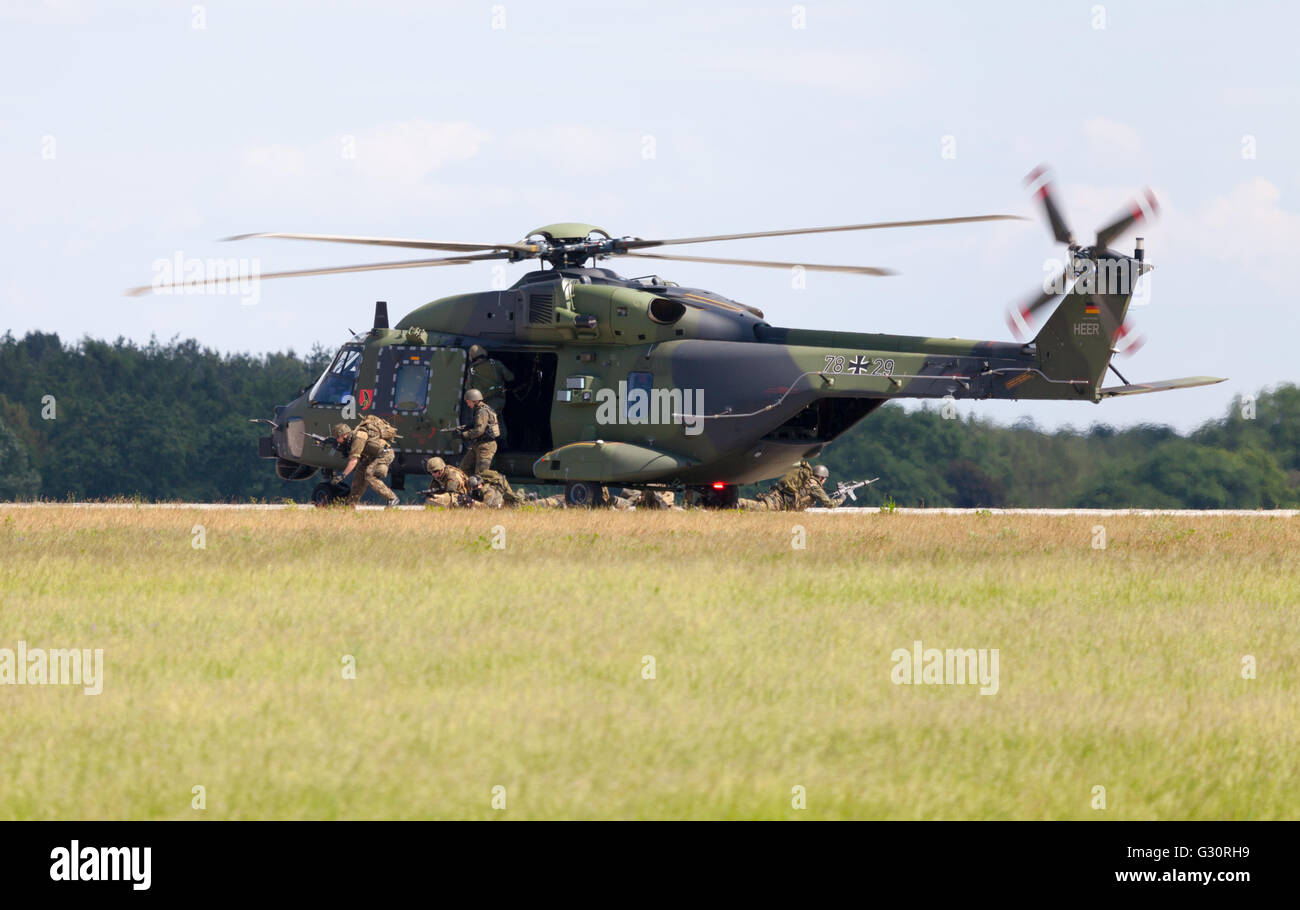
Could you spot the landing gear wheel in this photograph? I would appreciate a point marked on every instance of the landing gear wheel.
(327, 494)
(711, 497)
(584, 495)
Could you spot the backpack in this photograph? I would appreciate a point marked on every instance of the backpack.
(378, 428)
(497, 480)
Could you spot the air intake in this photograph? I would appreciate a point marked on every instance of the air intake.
(541, 308)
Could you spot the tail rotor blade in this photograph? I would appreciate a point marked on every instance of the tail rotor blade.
(1142, 208)
(1018, 318)
(1044, 194)
(1127, 341)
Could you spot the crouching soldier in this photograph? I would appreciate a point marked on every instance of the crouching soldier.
(448, 484)
(797, 490)
(370, 452)
(493, 490)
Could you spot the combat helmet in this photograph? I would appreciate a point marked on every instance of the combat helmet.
(473, 395)
(435, 464)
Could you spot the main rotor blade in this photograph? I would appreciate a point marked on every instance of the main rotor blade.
(638, 244)
(335, 270)
(765, 263)
(452, 246)
(1145, 206)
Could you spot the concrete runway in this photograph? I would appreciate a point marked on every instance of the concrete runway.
(845, 510)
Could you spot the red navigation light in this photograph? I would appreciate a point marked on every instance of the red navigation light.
(719, 485)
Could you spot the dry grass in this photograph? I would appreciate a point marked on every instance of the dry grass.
(522, 667)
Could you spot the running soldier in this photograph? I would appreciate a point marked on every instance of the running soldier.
(370, 452)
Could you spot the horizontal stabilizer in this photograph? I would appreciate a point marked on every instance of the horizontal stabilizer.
(1162, 385)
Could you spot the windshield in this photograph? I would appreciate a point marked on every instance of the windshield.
(337, 383)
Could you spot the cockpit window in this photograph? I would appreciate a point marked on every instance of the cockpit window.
(337, 383)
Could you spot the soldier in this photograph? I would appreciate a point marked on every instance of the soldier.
(480, 435)
(491, 377)
(369, 454)
(493, 491)
(794, 492)
(647, 499)
(497, 492)
(447, 484)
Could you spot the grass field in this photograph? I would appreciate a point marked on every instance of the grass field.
(524, 667)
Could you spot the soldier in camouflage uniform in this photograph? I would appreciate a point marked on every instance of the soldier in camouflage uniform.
(491, 377)
(447, 484)
(369, 455)
(646, 499)
(480, 436)
(493, 490)
(796, 491)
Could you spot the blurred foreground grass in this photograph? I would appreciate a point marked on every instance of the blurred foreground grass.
(524, 667)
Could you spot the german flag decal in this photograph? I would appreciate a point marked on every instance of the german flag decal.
(1090, 309)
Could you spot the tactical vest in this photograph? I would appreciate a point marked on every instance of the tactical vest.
(453, 476)
(492, 431)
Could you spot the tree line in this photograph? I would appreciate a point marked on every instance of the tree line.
(169, 421)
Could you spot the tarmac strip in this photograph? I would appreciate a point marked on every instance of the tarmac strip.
(844, 510)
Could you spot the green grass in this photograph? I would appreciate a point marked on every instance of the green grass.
(522, 667)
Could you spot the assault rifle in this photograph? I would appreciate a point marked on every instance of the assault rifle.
(328, 442)
(846, 489)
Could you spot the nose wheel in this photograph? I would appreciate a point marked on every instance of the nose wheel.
(327, 494)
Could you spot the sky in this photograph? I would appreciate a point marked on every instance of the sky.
(132, 133)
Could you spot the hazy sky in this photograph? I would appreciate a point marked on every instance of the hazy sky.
(133, 132)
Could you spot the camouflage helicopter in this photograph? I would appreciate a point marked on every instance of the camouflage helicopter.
(642, 383)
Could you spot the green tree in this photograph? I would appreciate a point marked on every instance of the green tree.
(18, 479)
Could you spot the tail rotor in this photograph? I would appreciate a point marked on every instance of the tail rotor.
(1082, 264)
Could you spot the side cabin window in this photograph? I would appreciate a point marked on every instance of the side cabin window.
(338, 382)
(411, 387)
(403, 377)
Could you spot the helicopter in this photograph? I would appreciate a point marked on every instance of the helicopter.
(648, 384)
